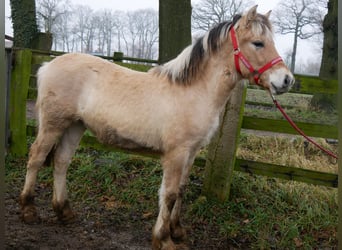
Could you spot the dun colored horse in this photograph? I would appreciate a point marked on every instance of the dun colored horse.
(172, 110)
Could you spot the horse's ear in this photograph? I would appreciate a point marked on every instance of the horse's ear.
(251, 14)
(267, 15)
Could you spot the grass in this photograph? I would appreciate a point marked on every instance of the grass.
(299, 108)
(287, 151)
(262, 213)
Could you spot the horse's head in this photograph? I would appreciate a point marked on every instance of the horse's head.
(256, 57)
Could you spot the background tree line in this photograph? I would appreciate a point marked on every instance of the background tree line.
(80, 28)
(136, 33)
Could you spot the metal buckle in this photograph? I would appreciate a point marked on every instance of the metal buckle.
(236, 51)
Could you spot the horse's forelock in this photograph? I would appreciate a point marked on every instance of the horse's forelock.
(261, 26)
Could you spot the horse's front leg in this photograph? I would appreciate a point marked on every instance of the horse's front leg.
(177, 231)
(173, 164)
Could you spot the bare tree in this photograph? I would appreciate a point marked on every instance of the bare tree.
(79, 28)
(109, 24)
(207, 13)
(48, 12)
(147, 28)
(140, 33)
(302, 18)
(106, 26)
(84, 27)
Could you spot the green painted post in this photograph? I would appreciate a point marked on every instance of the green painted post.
(20, 79)
(222, 149)
(339, 231)
(2, 122)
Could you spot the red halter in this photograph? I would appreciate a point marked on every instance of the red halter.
(239, 56)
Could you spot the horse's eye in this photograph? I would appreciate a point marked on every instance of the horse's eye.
(258, 44)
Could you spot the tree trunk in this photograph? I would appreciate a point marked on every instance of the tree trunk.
(328, 102)
(174, 28)
(330, 44)
(294, 52)
(24, 22)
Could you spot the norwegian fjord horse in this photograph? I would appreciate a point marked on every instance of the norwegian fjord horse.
(172, 110)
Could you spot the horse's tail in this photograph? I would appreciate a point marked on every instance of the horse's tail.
(40, 76)
(40, 83)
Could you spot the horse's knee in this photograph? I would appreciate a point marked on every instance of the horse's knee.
(63, 211)
(28, 212)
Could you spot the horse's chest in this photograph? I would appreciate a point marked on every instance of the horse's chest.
(211, 131)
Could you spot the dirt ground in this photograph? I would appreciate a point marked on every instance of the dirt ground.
(91, 230)
(94, 228)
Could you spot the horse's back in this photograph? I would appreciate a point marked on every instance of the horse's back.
(62, 83)
(107, 98)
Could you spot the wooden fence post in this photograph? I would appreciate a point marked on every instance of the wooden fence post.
(118, 56)
(222, 149)
(20, 79)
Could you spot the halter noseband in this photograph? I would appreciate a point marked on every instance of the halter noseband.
(239, 56)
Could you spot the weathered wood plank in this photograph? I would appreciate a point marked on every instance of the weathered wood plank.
(39, 58)
(222, 149)
(17, 105)
(282, 126)
(287, 173)
(313, 84)
(241, 165)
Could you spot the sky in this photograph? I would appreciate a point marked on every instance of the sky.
(307, 50)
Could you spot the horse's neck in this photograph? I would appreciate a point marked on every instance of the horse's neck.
(219, 79)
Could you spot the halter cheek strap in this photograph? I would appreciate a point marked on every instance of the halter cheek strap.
(239, 56)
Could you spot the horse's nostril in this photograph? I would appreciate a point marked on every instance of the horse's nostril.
(287, 80)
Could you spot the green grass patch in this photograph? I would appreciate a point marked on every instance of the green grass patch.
(297, 107)
(136, 66)
(265, 213)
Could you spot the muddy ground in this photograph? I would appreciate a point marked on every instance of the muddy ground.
(94, 228)
(91, 230)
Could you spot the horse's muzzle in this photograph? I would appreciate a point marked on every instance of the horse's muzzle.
(281, 81)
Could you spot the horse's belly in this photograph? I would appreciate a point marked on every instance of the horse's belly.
(125, 135)
(112, 138)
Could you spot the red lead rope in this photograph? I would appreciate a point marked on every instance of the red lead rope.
(300, 131)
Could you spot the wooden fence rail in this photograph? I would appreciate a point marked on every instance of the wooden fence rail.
(23, 87)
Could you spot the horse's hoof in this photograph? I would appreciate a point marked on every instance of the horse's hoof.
(64, 213)
(29, 215)
(67, 218)
(178, 234)
(163, 245)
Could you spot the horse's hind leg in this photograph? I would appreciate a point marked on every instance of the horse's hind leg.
(62, 158)
(38, 152)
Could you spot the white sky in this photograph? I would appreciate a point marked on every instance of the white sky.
(307, 50)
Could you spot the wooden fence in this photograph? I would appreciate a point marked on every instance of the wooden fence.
(220, 167)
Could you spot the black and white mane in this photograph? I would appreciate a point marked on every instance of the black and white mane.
(189, 63)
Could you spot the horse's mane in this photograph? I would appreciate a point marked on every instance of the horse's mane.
(187, 64)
